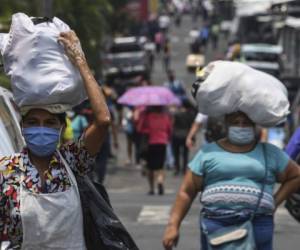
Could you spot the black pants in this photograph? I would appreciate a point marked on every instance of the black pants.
(156, 156)
(181, 154)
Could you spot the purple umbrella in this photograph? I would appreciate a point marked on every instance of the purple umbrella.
(149, 96)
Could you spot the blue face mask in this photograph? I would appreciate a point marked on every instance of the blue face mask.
(241, 135)
(41, 141)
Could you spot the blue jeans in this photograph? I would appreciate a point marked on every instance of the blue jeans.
(263, 227)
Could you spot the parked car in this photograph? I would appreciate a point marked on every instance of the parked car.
(264, 57)
(126, 57)
(10, 132)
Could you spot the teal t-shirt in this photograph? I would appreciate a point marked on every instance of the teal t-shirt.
(79, 123)
(232, 181)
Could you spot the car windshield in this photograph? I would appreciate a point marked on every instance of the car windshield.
(270, 71)
(261, 56)
(121, 48)
(10, 136)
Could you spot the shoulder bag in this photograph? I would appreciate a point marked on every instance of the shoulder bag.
(239, 236)
(103, 230)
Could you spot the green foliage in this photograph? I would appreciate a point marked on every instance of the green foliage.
(4, 81)
(87, 18)
(92, 20)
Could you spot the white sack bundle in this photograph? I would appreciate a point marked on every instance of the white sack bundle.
(40, 71)
(227, 87)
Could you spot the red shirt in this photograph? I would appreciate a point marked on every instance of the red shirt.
(159, 127)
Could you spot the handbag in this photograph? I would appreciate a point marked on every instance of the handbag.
(240, 236)
(102, 228)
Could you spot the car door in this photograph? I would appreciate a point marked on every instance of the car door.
(10, 134)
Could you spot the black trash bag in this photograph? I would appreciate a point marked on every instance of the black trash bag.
(102, 228)
(293, 205)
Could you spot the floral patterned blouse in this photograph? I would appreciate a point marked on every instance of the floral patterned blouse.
(56, 180)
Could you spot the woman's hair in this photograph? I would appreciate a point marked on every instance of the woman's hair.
(156, 109)
(61, 117)
(233, 115)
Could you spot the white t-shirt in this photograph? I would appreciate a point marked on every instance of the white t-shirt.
(201, 118)
(164, 21)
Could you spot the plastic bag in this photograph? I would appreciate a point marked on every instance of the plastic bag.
(102, 228)
(225, 87)
(40, 71)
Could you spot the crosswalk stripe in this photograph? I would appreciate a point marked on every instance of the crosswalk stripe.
(158, 215)
(134, 190)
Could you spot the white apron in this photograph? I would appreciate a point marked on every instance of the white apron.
(52, 221)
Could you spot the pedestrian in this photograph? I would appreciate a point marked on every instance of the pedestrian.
(204, 35)
(100, 168)
(175, 85)
(141, 138)
(158, 126)
(199, 123)
(40, 204)
(293, 150)
(167, 54)
(293, 146)
(164, 22)
(182, 120)
(129, 130)
(234, 50)
(158, 40)
(68, 135)
(231, 174)
(177, 17)
(214, 35)
(79, 122)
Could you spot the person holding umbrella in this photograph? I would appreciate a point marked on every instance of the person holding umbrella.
(157, 124)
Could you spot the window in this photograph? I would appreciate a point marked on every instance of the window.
(123, 48)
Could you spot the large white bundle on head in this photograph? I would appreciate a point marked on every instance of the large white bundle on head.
(232, 86)
(40, 71)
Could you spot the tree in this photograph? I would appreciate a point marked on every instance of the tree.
(92, 20)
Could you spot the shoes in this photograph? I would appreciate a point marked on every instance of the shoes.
(151, 192)
(161, 190)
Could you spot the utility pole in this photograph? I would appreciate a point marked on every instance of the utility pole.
(47, 8)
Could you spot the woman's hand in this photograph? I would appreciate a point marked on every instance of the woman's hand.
(72, 47)
(171, 237)
(189, 143)
(188, 190)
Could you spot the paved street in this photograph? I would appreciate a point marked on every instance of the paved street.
(146, 216)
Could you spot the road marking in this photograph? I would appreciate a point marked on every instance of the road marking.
(122, 190)
(154, 215)
(134, 190)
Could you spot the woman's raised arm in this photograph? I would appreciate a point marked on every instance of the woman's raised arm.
(95, 133)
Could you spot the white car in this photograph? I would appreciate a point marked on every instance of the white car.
(10, 132)
(264, 57)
